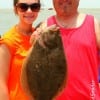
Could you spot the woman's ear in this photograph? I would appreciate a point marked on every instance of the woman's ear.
(15, 10)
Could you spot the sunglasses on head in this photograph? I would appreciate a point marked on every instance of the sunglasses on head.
(22, 7)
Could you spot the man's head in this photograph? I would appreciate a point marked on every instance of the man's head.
(65, 7)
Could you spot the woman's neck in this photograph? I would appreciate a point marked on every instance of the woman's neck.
(24, 29)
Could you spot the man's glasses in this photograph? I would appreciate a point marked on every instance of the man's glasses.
(22, 7)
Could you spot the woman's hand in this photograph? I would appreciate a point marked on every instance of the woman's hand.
(41, 29)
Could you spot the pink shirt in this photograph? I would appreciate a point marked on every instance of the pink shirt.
(81, 52)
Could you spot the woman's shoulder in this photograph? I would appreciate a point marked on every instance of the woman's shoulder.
(9, 38)
(9, 33)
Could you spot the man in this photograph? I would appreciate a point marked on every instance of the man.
(81, 39)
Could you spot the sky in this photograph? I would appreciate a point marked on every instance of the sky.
(48, 3)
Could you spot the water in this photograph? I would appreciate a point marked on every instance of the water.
(8, 18)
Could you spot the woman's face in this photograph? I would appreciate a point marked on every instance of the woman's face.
(27, 10)
(65, 6)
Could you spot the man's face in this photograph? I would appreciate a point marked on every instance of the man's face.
(65, 6)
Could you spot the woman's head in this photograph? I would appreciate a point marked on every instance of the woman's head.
(27, 10)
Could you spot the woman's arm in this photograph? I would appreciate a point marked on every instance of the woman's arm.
(4, 71)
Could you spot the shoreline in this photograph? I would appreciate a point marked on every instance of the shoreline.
(9, 9)
(8, 18)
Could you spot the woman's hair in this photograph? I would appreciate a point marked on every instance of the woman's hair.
(14, 4)
(16, 1)
(46, 68)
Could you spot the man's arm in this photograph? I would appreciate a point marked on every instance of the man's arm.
(97, 30)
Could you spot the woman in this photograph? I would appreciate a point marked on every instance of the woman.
(14, 45)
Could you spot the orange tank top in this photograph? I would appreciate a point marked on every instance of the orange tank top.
(18, 45)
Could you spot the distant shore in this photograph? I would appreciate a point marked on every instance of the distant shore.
(81, 9)
(8, 17)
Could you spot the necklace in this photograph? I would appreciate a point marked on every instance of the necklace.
(64, 24)
(69, 23)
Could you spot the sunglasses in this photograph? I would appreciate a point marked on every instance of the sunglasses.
(22, 7)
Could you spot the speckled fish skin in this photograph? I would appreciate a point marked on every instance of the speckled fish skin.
(47, 61)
